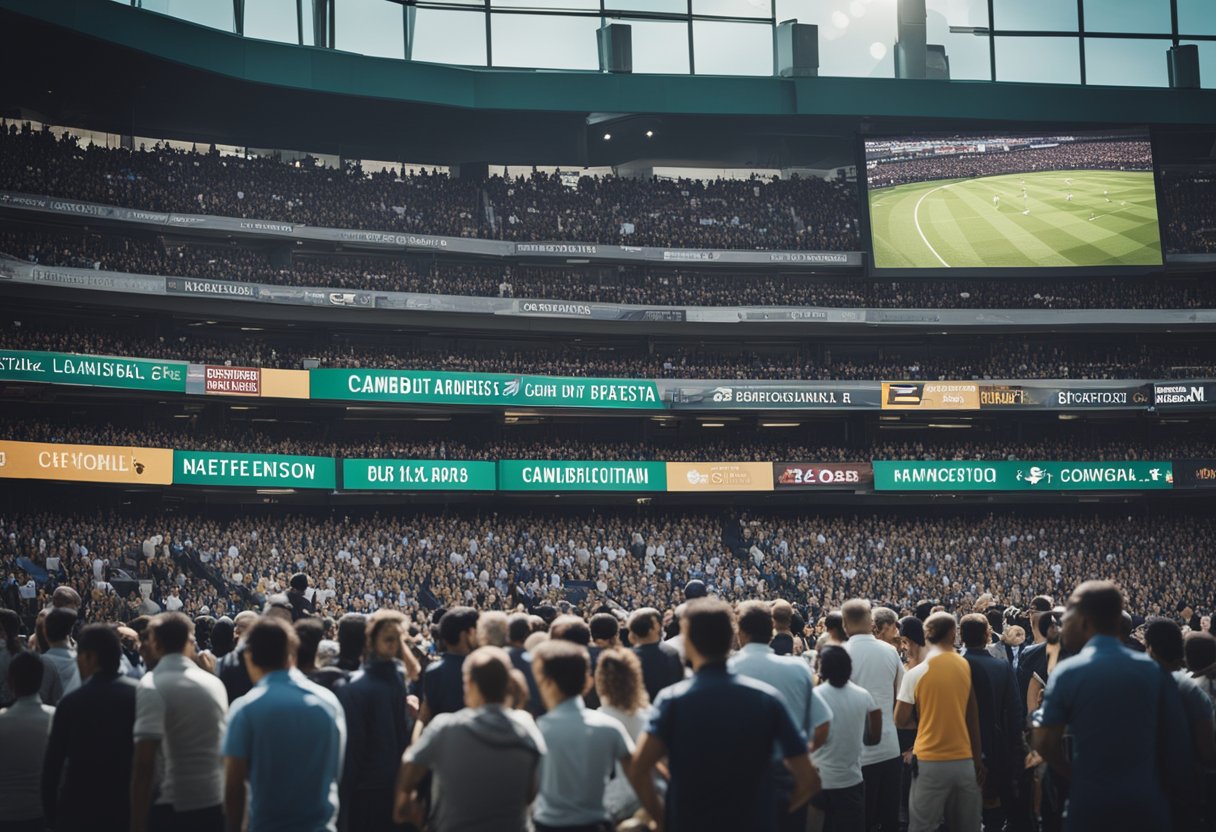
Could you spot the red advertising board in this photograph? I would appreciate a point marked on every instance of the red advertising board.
(233, 381)
(846, 475)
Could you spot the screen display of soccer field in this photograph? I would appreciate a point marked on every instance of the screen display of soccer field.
(1013, 201)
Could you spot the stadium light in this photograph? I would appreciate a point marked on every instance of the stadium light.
(650, 134)
(779, 424)
(607, 137)
(713, 424)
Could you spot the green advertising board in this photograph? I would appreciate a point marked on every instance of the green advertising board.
(545, 475)
(418, 475)
(94, 370)
(970, 475)
(253, 470)
(426, 387)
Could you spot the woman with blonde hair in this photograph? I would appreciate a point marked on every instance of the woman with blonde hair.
(618, 681)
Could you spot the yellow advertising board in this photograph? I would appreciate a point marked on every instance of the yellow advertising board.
(86, 463)
(719, 476)
(930, 395)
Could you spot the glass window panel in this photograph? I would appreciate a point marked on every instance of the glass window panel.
(968, 53)
(369, 27)
(217, 15)
(1207, 64)
(1035, 15)
(659, 46)
(306, 11)
(1149, 17)
(732, 48)
(1041, 60)
(450, 37)
(1197, 17)
(733, 8)
(1126, 63)
(546, 41)
(271, 20)
(548, 5)
(856, 37)
(657, 6)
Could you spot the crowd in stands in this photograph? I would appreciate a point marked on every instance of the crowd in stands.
(1128, 154)
(1188, 209)
(756, 213)
(626, 284)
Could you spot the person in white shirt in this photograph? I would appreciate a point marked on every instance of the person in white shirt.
(62, 656)
(24, 728)
(877, 668)
(173, 601)
(180, 712)
(855, 720)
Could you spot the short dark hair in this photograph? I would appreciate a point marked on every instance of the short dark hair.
(25, 673)
(59, 623)
(710, 627)
(1041, 603)
(940, 628)
(309, 631)
(519, 627)
(455, 621)
(489, 669)
(101, 640)
(1200, 649)
(913, 629)
(604, 626)
(835, 665)
(299, 582)
(973, 630)
(1101, 602)
(756, 621)
(352, 635)
(834, 622)
(1164, 636)
(565, 663)
(643, 621)
(270, 643)
(222, 637)
(172, 631)
(570, 628)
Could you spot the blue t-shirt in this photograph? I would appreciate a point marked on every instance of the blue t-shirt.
(443, 685)
(719, 729)
(292, 735)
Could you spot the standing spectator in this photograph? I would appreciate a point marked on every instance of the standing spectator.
(179, 716)
(58, 628)
(584, 746)
(661, 663)
(519, 627)
(24, 727)
(352, 639)
(856, 722)
(886, 626)
(443, 682)
(937, 699)
(618, 681)
(483, 758)
(717, 731)
(91, 738)
(297, 596)
(876, 667)
(233, 671)
(783, 641)
(285, 737)
(1124, 773)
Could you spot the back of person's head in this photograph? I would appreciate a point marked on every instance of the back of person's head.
(564, 663)
(570, 628)
(271, 643)
(1200, 651)
(1164, 637)
(223, 637)
(25, 674)
(10, 630)
(278, 606)
(102, 643)
(912, 629)
(1101, 602)
(755, 621)
(172, 632)
(618, 680)
(973, 630)
(709, 625)
(695, 589)
(456, 622)
(835, 665)
(643, 621)
(783, 614)
(492, 629)
(924, 609)
(995, 619)
(604, 627)
(519, 627)
(352, 635)
(834, 623)
(203, 625)
(65, 596)
(940, 628)
(489, 669)
(1041, 603)
(59, 623)
(309, 631)
(299, 582)
(857, 616)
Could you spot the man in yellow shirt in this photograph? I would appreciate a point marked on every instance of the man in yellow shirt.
(947, 766)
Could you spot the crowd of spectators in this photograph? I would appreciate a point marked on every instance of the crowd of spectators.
(1130, 154)
(1187, 200)
(757, 213)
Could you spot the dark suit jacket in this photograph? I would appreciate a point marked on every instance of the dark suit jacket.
(661, 666)
(92, 736)
(1002, 713)
(1033, 660)
(234, 674)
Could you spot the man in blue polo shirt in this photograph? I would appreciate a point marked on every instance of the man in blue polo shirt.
(286, 737)
(1123, 716)
(443, 682)
(717, 731)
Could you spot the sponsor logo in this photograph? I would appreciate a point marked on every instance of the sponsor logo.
(821, 257)
(905, 394)
(556, 248)
(812, 475)
(213, 287)
(80, 208)
(688, 256)
(695, 477)
(258, 225)
(1066, 398)
(342, 298)
(511, 388)
(1003, 396)
(1180, 394)
(547, 308)
(720, 476)
(242, 381)
(723, 394)
(930, 395)
(178, 219)
(1035, 475)
(27, 201)
(146, 216)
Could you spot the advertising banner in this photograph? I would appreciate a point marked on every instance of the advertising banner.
(93, 370)
(719, 476)
(1184, 394)
(86, 463)
(1195, 473)
(772, 395)
(930, 395)
(545, 475)
(423, 387)
(253, 470)
(418, 475)
(232, 381)
(795, 476)
(970, 475)
(1063, 395)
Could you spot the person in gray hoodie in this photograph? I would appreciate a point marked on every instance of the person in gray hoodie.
(484, 758)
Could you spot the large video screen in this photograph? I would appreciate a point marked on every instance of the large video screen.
(1013, 201)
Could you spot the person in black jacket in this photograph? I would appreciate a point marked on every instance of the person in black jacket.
(301, 604)
(661, 665)
(378, 724)
(91, 736)
(231, 668)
